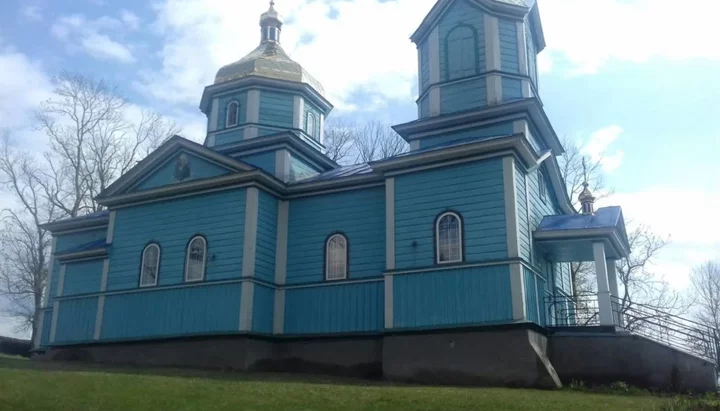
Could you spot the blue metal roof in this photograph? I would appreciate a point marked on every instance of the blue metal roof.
(86, 217)
(607, 217)
(91, 246)
(340, 172)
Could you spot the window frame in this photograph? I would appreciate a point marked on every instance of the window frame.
(461, 235)
(187, 258)
(312, 132)
(327, 256)
(157, 265)
(446, 56)
(542, 186)
(227, 114)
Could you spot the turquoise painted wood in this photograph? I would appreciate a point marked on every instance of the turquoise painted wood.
(312, 110)
(301, 169)
(335, 309)
(458, 51)
(76, 320)
(478, 133)
(223, 101)
(220, 217)
(230, 136)
(263, 309)
(474, 190)
(83, 277)
(166, 173)
(266, 237)
(264, 161)
(276, 109)
(542, 294)
(462, 96)
(424, 106)
(172, 312)
(524, 233)
(463, 296)
(537, 144)
(509, 56)
(424, 56)
(531, 297)
(512, 89)
(359, 214)
(47, 324)
(268, 131)
(531, 53)
(69, 241)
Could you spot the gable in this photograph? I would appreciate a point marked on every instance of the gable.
(180, 168)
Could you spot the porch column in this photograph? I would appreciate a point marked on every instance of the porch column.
(613, 284)
(601, 270)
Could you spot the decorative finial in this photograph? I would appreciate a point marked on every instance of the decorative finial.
(272, 3)
(587, 200)
(271, 24)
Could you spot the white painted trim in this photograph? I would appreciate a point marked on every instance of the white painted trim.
(99, 317)
(61, 280)
(228, 124)
(338, 283)
(251, 226)
(521, 127)
(246, 306)
(526, 88)
(105, 272)
(298, 110)
(511, 219)
(468, 126)
(522, 48)
(279, 312)
(601, 271)
(434, 55)
(517, 287)
(434, 101)
(451, 267)
(53, 324)
(389, 303)
(111, 228)
(51, 263)
(538, 299)
(390, 223)
(321, 137)
(211, 140)
(39, 328)
(157, 265)
(494, 89)
(187, 258)
(251, 132)
(214, 115)
(283, 219)
(437, 238)
(282, 165)
(492, 42)
(164, 288)
(419, 75)
(612, 278)
(82, 229)
(415, 145)
(527, 215)
(252, 114)
(346, 266)
(449, 163)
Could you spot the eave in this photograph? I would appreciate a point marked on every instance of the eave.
(74, 224)
(83, 255)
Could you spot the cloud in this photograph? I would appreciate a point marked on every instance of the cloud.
(101, 47)
(23, 85)
(131, 20)
(590, 34)
(31, 13)
(597, 147)
(88, 36)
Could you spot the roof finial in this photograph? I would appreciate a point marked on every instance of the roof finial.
(587, 200)
(271, 24)
(272, 3)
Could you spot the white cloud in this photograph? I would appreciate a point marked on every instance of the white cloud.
(598, 148)
(23, 85)
(102, 47)
(131, 20)
(31, 13)
(591, 33)
(88, 36)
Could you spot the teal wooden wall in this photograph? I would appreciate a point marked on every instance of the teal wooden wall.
(531, 53)
(264, 161)
(220, 217)
(466, 95)
(165, 174)
(341, 308)
(223, 101)
(47, 323)
(301, 170)
(461, 13)
(69, 241)
(535, 294)
(509, 60)
(276, 109)
(266, 237)
(76, 320)
(263, 309)
(464, 296)
(172, 312)
(424, 56)
(83, 277)
(360, 214)
(475, 190)
(512, 89)
(524, 233)
(479, 133)
(424, 106)
(537, 144)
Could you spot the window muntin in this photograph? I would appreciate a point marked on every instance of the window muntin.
(150, 265)
(233, 109)
(195, 259)
(336, 258)
(448, 234)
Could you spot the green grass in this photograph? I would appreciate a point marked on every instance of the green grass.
(30, 385)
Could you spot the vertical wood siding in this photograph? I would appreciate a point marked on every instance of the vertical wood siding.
(165, 174)
(241, 98)
(425, 106)
(276, 109)
(479, 133)
(359, 214)
(68, 241)
(300, 170)
(531, 54)
(509, 60)
(83, 277)
(47, 323)
(465, 95)
(335, 309)
(464, 296)
(264, 161)
(461, 12)
(512, 89)
(263, 308)
(474, 190)
(424, 53)
(192, 310)
(524, 234)
(220, 217)
(76, 320)
(266, 237)
(531, 298)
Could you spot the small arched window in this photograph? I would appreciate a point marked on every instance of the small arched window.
(311, 124)
(449, 237)
(461, 51)
(195, 259)
(336, 257)
(231, 119)
(150, 265)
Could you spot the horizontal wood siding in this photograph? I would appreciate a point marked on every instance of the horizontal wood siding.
(266, 237)
(233, 135)
(509, 60)
(359, 214)
(76, 320)
(165, 174)
(464, 296)
(188, 310)
(425, 106)
(68, 241)
(539, 208)
(276, 109)
(47, 324)
(524, 234)
(263, 307)
(264, 161)
(220, 217)
(335, 309)
(83, 277)
(54, 280)
(465, 95)
(531, 53)
(512, 89)
(474, 190)
(479, 133)
(300, 169)
(424, 56)
(241, 98)
(531, 298)
(461, 12)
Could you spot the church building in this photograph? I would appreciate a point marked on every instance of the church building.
(254, 251)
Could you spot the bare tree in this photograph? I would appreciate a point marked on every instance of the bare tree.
(706, 282)
(339, 140)
(376, 141)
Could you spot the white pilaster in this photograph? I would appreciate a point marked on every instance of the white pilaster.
(517, 287)
(61, 281)
(511, 219)
(279, 312)
(46, 297)
(251, 225)
(211, 140)
(282, 240)
(528, 204)
(389, 302)
(322, 128)
(282, 164)
(522, 48)
(252, 115)
(604, 301)
(612, 278)
(494, 89)
(434, 57)
(53, 324)
(492, 43)
(111, 228)
(214, 112)
(521, 127)
(250, 132)
(298, 112)
(526, 88)
(246, 306)
(390, 224)
(434, 100)
(99, 317)
(104, 278)
(39, 328)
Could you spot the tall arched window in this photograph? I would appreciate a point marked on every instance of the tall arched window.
(461, 52)
(311, 124)
(150, 265)
(449, 237)
(336, 257)
(231, 119)
(195, 259)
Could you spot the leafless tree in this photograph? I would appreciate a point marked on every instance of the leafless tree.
(339, 140)
(376, 141)
(706, 283)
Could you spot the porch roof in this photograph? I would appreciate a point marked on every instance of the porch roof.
(569, 238)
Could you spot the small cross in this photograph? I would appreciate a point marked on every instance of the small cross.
(585, 175)
(272, 3)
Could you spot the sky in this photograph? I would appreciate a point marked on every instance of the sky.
(633, 82)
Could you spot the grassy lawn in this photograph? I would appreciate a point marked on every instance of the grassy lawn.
(29, 385)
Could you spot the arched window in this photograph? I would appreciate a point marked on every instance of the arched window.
(336, 257)
(449, 237)
(195, 259)
(311, 124)
(150, 265)
(461, 52)
(232, 114)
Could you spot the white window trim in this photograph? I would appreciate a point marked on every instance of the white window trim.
(327, 258)
(542, 187)
(187, 259)
(312, 115)
(227, 114)
(437, 237)
(157, 265)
